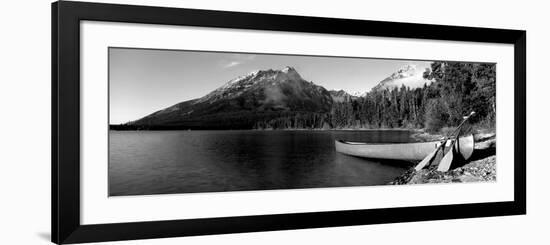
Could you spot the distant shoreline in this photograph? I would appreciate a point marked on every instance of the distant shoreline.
(418, 134)
(175, 128)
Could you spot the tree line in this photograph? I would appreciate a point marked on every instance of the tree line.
(457, 88)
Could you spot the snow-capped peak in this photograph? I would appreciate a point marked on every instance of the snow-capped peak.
(407, 68)
(241, 78)
(291, 73)
(288, 69)
(357, 94)
(342, 95)
(405, 71)
(238, 85)
(407, 75)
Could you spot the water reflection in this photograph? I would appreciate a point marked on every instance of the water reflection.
(156, 162)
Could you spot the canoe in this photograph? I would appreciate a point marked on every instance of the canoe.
(402, 151)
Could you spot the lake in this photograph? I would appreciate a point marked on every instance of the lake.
(162, 162)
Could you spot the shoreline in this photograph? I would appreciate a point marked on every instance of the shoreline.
(480, 168)
(416, 130)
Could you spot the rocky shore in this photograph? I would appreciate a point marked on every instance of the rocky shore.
(481, 167)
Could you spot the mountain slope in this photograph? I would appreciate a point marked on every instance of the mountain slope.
(243, 101)
(343, 96)
(340, 95)
(407, 75)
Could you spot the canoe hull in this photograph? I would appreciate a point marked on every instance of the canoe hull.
(402, 151)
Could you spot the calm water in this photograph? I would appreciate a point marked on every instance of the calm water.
(157, 162)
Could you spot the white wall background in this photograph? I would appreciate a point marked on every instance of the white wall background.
(25, 122)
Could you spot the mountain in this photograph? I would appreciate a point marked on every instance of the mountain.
(343, 96)
(340, 95)
(244, 101)
(407, 75)
(358, 94)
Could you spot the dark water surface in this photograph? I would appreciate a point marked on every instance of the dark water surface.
(158, 162)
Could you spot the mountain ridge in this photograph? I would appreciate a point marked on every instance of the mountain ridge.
(261, 96)
(408, 75)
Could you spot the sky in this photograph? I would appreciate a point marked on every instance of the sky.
(142, 81)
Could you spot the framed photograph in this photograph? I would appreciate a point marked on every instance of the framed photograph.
(176, 122)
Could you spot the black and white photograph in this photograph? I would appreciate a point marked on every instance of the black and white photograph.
(192, 121)
(289, 122)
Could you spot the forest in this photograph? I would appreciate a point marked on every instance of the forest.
(457, 88)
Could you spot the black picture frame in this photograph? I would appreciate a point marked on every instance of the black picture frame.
(65, 167)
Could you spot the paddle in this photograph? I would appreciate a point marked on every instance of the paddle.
(430, 156)
(445, 163)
